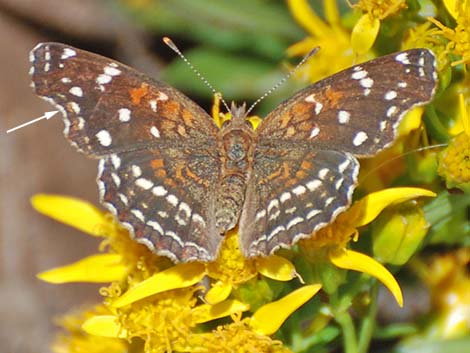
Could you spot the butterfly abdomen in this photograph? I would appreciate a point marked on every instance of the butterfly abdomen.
(236, 157)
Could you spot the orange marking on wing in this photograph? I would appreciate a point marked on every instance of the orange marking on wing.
(285, 119)
(306, 165)
(171, 110)
(282, 173)
(188, 118)
(168, 125)
(160, 173)
(300, 109)
(290, 131)
(333, 96)
(138, 93)
(157, 164)
(300, 174)
(170, 182)
(182, 131)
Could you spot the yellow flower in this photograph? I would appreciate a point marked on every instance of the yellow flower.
(75, 340)
(157, 302)
(449, 281)
(367, 28)
(454, 161)
(335, 52)
(169, 318)
(459, 38)
(331, 242)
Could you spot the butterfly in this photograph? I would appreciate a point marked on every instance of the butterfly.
(178, 182)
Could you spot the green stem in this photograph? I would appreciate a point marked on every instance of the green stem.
(349, 331)
(368, 323)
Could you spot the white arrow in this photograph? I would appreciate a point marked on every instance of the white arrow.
(46, 115)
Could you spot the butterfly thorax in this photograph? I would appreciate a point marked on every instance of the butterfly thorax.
(236, 140)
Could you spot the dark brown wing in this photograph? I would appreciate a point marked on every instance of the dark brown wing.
(132, 122)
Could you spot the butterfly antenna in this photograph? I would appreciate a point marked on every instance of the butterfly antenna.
(284, 79)
(173, 47)
(390, 160)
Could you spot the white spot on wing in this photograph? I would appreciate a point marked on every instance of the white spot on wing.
(123, 199)
(402, 58)
(359, 138)
(299, 190)
(313, 185)
(75, 107)
(390, 95)
(343, 117)
(156, 226)
(359, 75)
(112, 71)
(136, 171)
(322, 173)
(315, 132)
(366, 82)
(312, 213)
(81, 125)
(68, 53)
(124, 115)
(138, 214)
(294, 221)
(144, 183)
(76, 91)
(285, 196)
(159, 191)
(154, 131)
(103, 79)
(104, 138)
(260, 215)
(153, 105)
(391, 111)
(172, 200)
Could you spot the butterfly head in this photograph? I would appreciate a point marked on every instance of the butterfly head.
(238, 113)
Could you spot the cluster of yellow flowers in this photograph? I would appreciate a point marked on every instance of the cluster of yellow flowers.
(236, 304)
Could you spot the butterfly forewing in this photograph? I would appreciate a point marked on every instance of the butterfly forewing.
(353, 113)
(157, 148)
(357, 110)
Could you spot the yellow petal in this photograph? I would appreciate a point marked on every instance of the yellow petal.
(451, 6)
(302, 47)
(368, 208)
(218, 292)
(207, 312)
(216, 109)
(352, 260)
(178, 276)
(267, 319)
(254, 121)
(411, 121)
(105, 326)
(331, 11)
(96, 268)
(465, 116)
(364, 34)
(276, 267)
(74, 212)
(307, 18)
